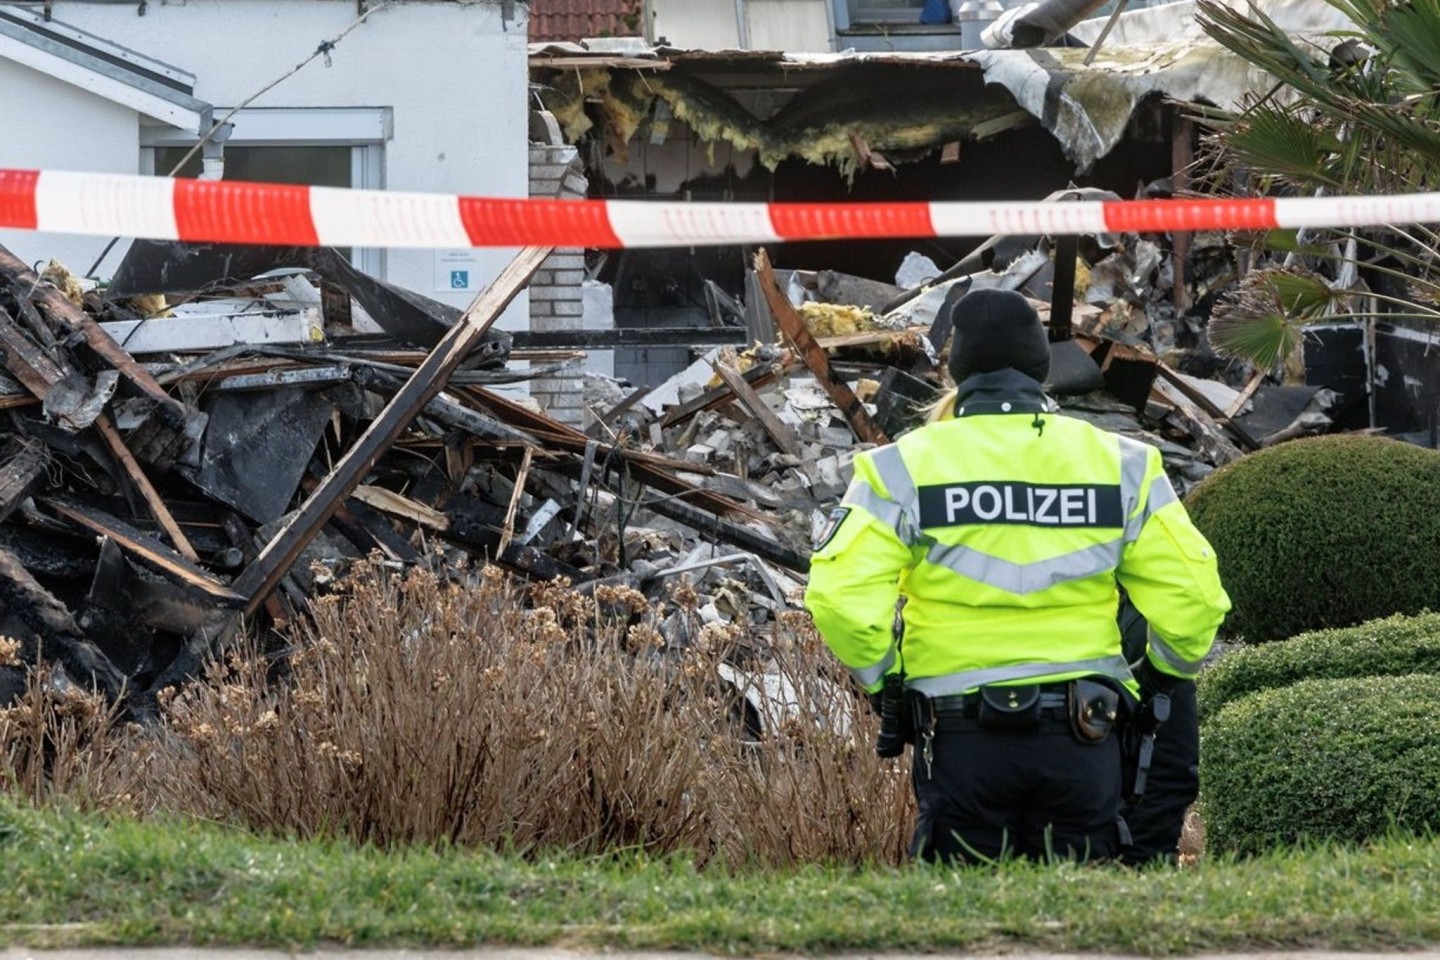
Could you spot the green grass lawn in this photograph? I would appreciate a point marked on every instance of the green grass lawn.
(73, 879)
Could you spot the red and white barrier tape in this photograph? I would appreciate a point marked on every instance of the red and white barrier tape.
(160, 208)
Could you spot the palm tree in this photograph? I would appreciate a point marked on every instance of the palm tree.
(1363, 117)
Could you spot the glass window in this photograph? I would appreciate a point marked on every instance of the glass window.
(885, 11)
(314, 166)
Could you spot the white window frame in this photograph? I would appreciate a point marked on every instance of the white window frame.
(365, 130)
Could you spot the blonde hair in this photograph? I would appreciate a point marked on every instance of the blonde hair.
(943, 407)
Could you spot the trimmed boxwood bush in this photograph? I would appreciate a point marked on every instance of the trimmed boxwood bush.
(1326, 532)
(1394, 645)
(1319, 760)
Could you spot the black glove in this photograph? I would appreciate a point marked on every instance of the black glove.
(876, 700)
(1152, 681)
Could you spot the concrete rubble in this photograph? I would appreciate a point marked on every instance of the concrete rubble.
(176, 455)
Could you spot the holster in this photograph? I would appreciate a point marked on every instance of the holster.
(1094, 710)
(1015, 709)
(896, 718)
(1139, 745)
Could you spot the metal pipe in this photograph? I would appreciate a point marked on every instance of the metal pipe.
(1039, 24)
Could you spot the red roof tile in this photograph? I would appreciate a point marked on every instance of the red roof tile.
(578, 19)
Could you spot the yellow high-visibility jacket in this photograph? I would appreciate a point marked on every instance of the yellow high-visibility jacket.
(1007, 529)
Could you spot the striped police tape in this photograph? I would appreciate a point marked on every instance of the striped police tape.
(161, 208)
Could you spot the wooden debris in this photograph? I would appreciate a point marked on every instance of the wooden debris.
(22, 465)
(158, 510)
(429, 379)
(783, 435)
(52, 302)
(814, 356)
(143, 545)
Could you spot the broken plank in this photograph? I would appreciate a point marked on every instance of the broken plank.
(1251, 385)
(287, 377)
(1207, 433)
(756, 377)
(507, 532)
(25, 359)
(649, 468)
(814, 356)
(1203, 402)
(778, 431)
(194, 332)
(24, 465)
(398, 505)
(143, 545)
(728, 531)
(870, 338)
(147, 490)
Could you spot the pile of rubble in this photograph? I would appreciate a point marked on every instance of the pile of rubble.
(175, 462)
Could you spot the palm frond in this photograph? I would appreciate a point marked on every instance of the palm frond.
(1282, 143)
(1261, 320)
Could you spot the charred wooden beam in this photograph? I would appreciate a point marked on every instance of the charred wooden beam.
(1220, 417)
(143, 545)
(429, 379)
(27, 285)
(27, 362)
(137, 476)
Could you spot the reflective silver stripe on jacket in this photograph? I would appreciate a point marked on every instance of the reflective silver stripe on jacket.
(1022, 578)
(1170, 655)
(873, 674)
(1134, 456)
(861, 494)
(952, 683)
(893, 473)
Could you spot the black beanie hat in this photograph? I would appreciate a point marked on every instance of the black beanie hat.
(995, 330)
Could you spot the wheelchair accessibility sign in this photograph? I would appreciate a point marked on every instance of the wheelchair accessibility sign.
(458, 271)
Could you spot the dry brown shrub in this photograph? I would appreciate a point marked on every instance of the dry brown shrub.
(537, 718)
(62, 742)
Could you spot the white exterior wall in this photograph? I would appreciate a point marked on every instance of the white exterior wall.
(795, 26)
(792, 25)
(712, 25)
(47, 124)
(453, 73)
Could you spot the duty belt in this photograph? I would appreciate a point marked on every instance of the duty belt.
(1053, 702)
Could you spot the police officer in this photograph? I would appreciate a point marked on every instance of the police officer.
(1007, 529)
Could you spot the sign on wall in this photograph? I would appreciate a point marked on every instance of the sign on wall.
(458, 271)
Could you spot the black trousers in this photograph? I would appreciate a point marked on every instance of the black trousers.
(1037, 794)
(1156, 821)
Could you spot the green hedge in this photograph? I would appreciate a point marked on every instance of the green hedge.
(1337, 760)
(1391, 646)
(1326, 532)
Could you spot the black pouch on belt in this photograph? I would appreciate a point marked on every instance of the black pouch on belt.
(1094, 709)
(1010, 708)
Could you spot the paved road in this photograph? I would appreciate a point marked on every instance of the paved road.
(230, 953)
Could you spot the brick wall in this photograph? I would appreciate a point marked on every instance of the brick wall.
(555, 302)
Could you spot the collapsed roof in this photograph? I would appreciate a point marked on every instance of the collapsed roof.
(907, 104)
